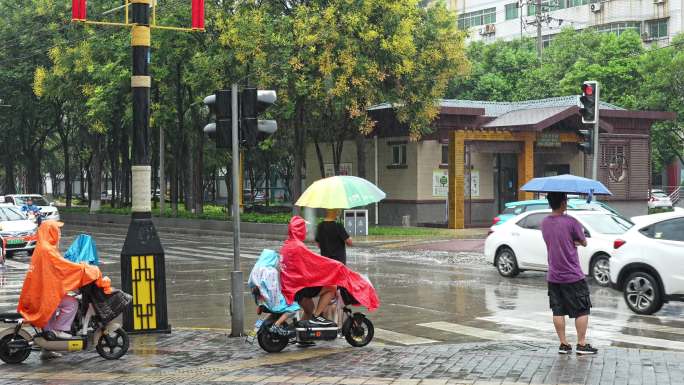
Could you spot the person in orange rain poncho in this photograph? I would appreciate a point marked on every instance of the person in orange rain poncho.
(44, 302)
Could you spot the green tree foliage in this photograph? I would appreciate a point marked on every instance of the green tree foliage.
(631, 76)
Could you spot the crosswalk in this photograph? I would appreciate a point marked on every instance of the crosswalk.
(608, 326)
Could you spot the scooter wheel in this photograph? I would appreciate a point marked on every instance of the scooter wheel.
(13, 355)
(359, 331)
(271, 342)
(113, 346)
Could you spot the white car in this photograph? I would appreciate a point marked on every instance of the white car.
(16, 232)
(517, 245)
(647, 264)
(658, 199)
(49, 211)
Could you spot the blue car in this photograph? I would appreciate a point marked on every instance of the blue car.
(515, 208)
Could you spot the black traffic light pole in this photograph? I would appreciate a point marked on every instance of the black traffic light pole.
(595, 137)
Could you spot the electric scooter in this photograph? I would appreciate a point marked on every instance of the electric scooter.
(355, 328)
(94, 325)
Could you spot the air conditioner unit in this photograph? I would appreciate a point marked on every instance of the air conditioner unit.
(658, 1)
(595, 7)
(488, 29)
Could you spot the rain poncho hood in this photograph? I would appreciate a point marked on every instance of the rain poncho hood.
(83, 249)
(50, 277)
(266, 277)
(301, 268)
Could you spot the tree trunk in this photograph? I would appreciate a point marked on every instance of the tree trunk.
(319, 156)
(174, 189)
(96, 168)
(360, 156)
(67, 168)
(10, 181)
(300, 134)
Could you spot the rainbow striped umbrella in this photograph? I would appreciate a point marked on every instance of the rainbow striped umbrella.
(340, 192)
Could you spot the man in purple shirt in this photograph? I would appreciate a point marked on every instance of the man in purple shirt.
(568, 290)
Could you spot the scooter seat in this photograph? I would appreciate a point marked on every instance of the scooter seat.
(10, 316)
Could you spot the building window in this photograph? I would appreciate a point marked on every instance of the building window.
(577, 3)
(511, 11)
(445, 154)
(657, 28)
(619, 28)
(399, 155)
(473, 19)
(546, 40)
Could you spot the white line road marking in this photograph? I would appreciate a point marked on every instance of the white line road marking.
(609, 322)
(478, 333)
(400, 338)
(603, 334)
(17, 264)
(630, 314)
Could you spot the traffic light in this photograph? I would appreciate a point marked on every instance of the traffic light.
(255, 102)
(588, 102)
(587, 143)
(221, 130)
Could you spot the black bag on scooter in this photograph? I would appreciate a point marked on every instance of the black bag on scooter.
(107, 306)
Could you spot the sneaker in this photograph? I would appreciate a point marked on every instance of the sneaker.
(48, 355)
(564, 349)
(279, 331)
(322, 321)
(62, 335)
(586, 349)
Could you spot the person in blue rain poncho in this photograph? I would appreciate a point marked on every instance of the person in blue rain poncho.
(264, 280)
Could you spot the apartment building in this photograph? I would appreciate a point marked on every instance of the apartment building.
(657, 21)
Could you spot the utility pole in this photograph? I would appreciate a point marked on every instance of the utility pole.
(538, 21)
(237, 303)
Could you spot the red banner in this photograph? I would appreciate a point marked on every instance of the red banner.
(197, 14)
(78, 9)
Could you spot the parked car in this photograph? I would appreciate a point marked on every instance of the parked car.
(647, 262)
(48, 210)
(659, 199)
(515, 208)
(16, 231)
(518, 245)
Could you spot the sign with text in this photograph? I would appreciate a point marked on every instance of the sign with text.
(440, 183)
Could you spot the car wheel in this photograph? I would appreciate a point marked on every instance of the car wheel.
(600, 269)
(642, 293)
(506, 263)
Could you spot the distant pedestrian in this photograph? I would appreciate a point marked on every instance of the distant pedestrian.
(332, 238)
(568, 290)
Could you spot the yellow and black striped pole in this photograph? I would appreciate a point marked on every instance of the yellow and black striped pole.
(142, 257)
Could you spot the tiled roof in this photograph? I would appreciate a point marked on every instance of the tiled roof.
(500, 108)
(525, 117)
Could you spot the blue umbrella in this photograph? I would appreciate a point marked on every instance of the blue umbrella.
(567, 184)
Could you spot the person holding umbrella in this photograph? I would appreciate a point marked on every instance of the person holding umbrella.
(332, 238)
(567, 288)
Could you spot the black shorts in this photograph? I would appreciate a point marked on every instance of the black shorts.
(308, 292)
(571, 299)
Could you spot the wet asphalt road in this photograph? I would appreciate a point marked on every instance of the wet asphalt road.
(427, 296)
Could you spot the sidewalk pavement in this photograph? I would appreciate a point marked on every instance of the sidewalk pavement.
(210, 357)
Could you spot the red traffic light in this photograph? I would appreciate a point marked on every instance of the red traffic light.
(588, 89)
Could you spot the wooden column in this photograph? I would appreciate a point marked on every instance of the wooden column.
(526, 164)
(456, 180)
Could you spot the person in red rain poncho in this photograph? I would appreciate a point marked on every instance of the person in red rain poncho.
(304, 273)
(44, 302)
